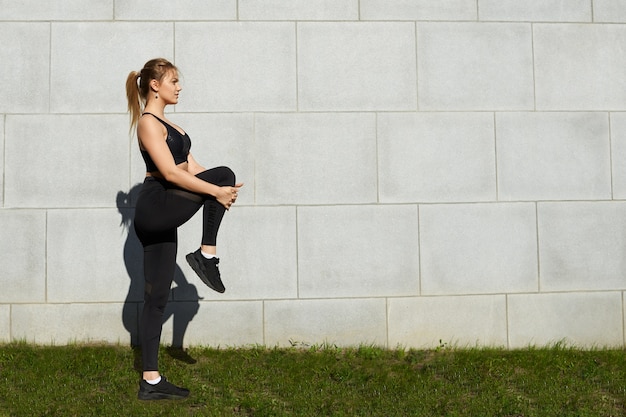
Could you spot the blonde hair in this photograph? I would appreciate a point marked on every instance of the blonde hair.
(138, 85)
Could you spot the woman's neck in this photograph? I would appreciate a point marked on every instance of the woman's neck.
(155, 108)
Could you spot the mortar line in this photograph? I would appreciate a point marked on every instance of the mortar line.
(419, 253)
(387, 322)
(50, 68)
(174, 45)
(495, 155)
(611, 154)
(506, 316)
(623, 321)
(263, 323)
(538, 249)
(4, 157)
(254, 164)
(131, 143)
(532, 52)
(376, 142)
(417, 95)
(297, 256)
(45, 263)
(296, 69)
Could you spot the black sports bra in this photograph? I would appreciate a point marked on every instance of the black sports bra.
(178, 143)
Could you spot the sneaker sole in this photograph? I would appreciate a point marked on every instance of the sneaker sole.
(196, 267)
(145, 396)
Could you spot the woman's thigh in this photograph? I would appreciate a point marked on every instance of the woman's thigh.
(160, 208)
(221, 176)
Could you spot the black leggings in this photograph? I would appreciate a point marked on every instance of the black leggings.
(161, 208)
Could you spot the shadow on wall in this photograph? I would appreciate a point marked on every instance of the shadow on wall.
(184, 299)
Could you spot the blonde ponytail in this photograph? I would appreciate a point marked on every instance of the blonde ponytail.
(135, 101)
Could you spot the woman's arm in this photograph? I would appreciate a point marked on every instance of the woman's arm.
(152, 134)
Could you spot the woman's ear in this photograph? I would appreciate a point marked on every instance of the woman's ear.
(154, 85)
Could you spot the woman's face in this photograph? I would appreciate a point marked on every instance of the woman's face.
(169, 87)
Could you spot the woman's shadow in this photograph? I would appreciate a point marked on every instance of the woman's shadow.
(184, 299)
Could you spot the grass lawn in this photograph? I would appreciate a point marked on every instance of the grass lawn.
(103, 380)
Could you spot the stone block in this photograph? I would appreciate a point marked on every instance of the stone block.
(475, 66)
(356, 66)
(215, 324)
(257, 251)
(431, 322)
(418, 10)
(341, 322)
(553, 156)
(320, 158)
(237, 66)
(535, 10)
(186, 10)
(85, 256)
(77, 161)
(478, 248)
(579, 66)
(23, 256)
(298, 10)
(358, 251)
(618, 154)
(583, 320)
(68, 323)
(436, 157)
(88, 79)
(34, 10)
(582, 245)
(609, 11)
(26, 66)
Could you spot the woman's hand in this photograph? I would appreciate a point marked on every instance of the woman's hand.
(227, 195)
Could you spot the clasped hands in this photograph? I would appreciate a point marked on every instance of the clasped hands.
(227, 195)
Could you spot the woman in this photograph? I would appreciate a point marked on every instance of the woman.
(174, 189)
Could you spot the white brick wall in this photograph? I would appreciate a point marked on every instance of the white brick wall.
(417, 172)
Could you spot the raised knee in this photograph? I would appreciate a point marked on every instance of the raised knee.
(228, 175)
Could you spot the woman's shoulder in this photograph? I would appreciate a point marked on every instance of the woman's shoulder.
(150, 123)
(149, 119)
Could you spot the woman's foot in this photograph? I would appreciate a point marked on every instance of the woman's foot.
(207, 270)
(164, 390)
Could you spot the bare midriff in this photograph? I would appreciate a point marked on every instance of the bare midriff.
(157, 174)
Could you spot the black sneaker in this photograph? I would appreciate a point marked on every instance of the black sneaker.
(207, 270)
(161, 391)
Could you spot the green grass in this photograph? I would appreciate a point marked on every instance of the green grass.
(320, 381)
